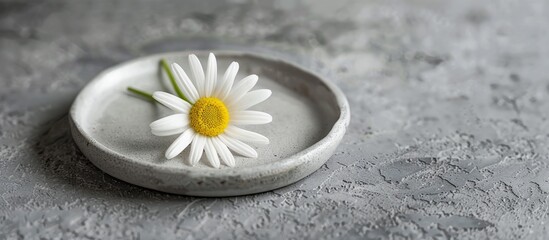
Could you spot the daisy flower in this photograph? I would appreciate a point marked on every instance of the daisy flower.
(210, 117)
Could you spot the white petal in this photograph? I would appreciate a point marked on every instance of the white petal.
(184, 83)
(175, 121)
(223, 88)
(211, 154)
(238, 146)
(223, 152)
(172, 102)
(241, 88)
(198, 74)
(197, 148)
(169, 132)
(250, 99)
(180, 144)
(245, 135)
(250, 117)
(211, 76)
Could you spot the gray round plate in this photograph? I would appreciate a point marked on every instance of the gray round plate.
(111, 127)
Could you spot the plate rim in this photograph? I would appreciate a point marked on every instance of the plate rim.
(336, 133)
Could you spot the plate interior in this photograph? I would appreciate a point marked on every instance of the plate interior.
(303, 110)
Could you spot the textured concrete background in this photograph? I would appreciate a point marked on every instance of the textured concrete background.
(449, 135)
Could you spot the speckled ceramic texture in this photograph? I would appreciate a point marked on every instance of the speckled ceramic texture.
(111, 127)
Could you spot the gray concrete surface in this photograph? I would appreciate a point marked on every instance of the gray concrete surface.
(449, 135)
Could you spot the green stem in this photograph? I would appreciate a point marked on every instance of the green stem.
(143, 94)
(166, 68)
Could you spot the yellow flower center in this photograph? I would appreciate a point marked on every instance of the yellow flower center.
(209, 116)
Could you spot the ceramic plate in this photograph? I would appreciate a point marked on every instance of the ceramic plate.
(111, 127)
